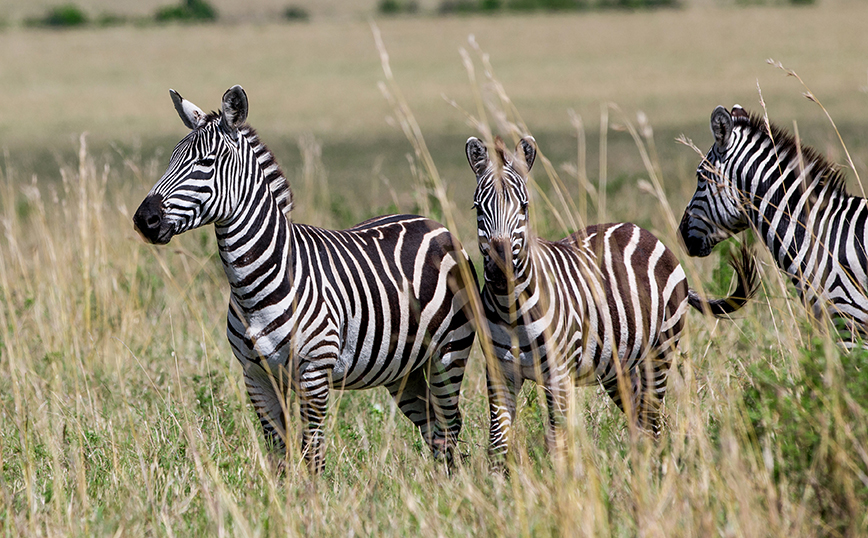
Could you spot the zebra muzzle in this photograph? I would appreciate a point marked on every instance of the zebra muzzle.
(694, 242)
(496, 262)
(148, 220)
(495, 275)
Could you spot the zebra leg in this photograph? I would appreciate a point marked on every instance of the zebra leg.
(313, 392)
(444, 383)
(556, 401)
(645, 386)
(413, 396)
(265, 392)
(653, 375)
(624, 386)
(654, 370)
(503, 383)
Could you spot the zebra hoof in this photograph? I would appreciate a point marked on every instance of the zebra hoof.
(277, 464)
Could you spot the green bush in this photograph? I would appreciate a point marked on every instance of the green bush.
(389, 7)
(466, 6)
(296, 13)
(187, 11)
(547, 5)
(811, 423)
(65, 16)
(393, 7)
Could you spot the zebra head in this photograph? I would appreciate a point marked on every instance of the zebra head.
(190, 194)
(716, 210)
(501, 202)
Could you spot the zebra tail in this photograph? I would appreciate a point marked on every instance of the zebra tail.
(744, 265)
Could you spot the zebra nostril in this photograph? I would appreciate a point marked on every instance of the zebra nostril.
(491, 266)
(149, 218)
(498, 251)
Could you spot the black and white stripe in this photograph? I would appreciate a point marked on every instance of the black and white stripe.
(796, 202)
(385, 303)
(602, 305)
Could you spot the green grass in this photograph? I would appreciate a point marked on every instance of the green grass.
(123, 412)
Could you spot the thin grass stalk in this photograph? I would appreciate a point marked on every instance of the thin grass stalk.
(584, 187)
(813, 98)
(481, 124)
(604, 162)
(507, 115)
(644, 142)
(11, 353)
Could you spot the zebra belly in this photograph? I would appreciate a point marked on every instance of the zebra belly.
(356, 366)
(589, 358)
(539, 351)
(343, 378)
(366, 361)
(360, 355)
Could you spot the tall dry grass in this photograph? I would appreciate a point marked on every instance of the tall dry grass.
(122, 413)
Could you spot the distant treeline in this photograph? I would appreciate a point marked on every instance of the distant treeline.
(186, 11)
(201, 11)
(496, 6)
(464, 6)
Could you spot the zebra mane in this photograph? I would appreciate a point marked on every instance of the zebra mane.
(830, 175)
(211, 117)
(277, 182)
(505, 159)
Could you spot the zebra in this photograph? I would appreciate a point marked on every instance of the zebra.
(384, 303)
(758, 176)
(605, 304)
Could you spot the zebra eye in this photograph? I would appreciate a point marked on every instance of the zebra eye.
(475, 205)
(207, 161)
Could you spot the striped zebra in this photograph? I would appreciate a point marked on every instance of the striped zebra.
(385, 303)
(603, 305)
(753, 177)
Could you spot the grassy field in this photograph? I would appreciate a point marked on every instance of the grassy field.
(123, 413)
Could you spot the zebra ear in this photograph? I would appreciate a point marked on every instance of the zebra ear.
(477, 155)
(234, 108)
(191, 115)
(739, 113)
(721, 126)
(527, 146)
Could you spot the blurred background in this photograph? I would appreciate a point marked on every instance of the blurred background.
(311, 70)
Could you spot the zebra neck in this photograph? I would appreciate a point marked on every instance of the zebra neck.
(791, 198)
(255, 249)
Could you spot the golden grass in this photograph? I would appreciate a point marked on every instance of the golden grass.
(122, 411)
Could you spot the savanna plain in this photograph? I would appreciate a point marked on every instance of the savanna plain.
(123, 412)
